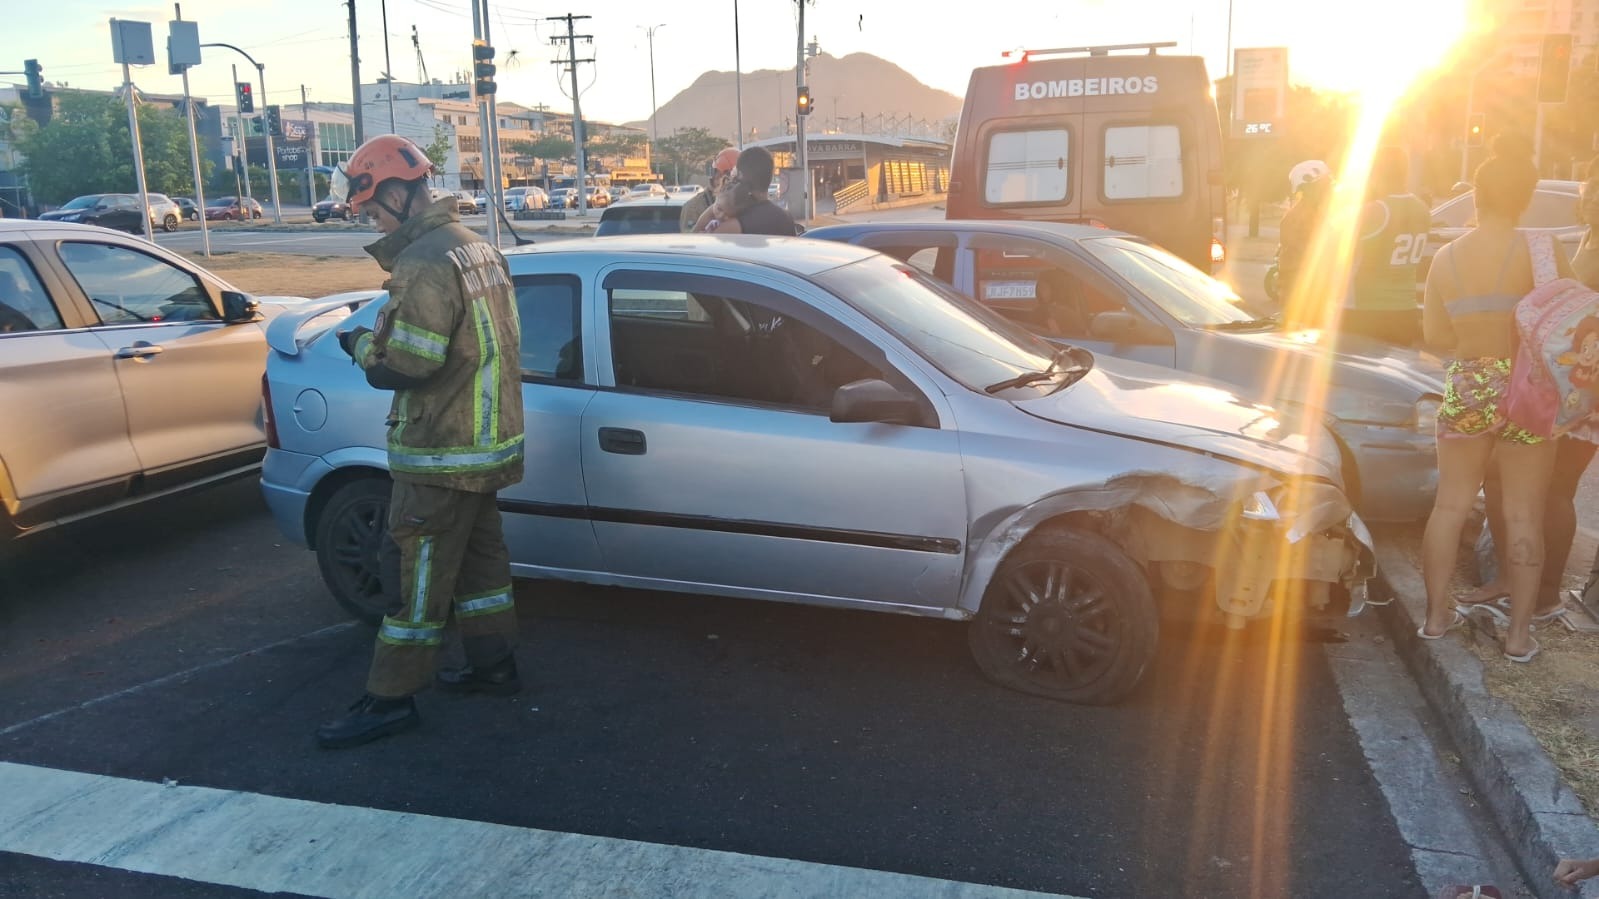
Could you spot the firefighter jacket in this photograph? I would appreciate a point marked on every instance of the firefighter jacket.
(448, 344)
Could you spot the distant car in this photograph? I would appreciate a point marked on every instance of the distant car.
(118, 211)
(652, 215)
(646, 192)
(782, 419)
(481, 201)
(165, 213)
(127, 373)
(230, 208)
(519, 198)
(598, 198)
(191, 212)
(559, 198)
(464, 204)
(687, 190)
(330, 208)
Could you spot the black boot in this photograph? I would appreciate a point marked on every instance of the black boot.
(370, 717)
(498, 679)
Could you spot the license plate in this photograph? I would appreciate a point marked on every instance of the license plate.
(1009, 290)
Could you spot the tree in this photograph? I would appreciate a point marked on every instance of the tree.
(438, 151)
(548, 146)
(86, 149)
(615, 144)
(687, 149)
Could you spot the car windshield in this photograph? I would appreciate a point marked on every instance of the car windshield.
(968, 342)
(1182, 291)
(82, 202)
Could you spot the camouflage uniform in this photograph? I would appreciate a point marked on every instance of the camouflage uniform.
(448, 344)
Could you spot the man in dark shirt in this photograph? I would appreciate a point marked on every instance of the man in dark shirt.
(754, 169)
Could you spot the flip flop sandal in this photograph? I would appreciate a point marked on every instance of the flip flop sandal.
(1558, 613)
(1527, 656)
(1499, 614)
(1459, 619)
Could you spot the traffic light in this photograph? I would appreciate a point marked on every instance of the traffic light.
(483, 69)
(1476, 125)
(31, 68)
(244, 95)
(803, 101)
(1554, 68)
(274, 121)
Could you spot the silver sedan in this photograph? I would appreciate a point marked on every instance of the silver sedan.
(813, 422)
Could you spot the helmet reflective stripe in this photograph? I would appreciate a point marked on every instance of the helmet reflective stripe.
(484, 603)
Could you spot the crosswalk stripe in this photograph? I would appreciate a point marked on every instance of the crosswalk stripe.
(273, 844)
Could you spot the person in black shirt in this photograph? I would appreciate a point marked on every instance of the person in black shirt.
(759, 215)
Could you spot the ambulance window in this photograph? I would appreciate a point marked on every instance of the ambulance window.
(1028, 166)
(1143, 162)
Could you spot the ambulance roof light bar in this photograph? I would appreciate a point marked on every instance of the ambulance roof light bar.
(1101, 50)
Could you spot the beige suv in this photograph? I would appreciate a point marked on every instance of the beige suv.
(126, 373)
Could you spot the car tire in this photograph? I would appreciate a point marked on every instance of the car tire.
(169, 224)
(1068, 616)
(349, 535)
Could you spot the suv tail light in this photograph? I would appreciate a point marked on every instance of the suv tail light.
(267, 420)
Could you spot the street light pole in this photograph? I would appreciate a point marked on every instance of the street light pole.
(738, 78)
(655, 130)
(272, 160)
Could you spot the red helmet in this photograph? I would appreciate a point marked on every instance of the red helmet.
(380, 159)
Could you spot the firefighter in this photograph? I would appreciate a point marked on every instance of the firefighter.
(448, 344)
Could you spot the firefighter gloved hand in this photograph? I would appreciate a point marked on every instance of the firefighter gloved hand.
(347, 339)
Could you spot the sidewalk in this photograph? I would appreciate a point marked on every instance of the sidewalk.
(1528, 735)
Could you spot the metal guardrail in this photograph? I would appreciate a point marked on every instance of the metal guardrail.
(547, 214)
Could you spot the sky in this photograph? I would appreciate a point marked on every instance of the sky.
(306, 41)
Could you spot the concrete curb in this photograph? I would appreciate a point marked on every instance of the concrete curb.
(1541, 819)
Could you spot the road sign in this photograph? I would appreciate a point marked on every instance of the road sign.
(1260, 91)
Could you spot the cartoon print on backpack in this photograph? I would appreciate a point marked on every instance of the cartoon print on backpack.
(1583, 358)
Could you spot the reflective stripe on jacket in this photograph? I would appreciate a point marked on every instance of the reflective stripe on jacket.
(450, 331)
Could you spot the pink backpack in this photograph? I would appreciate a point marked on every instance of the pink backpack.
(1554, 383)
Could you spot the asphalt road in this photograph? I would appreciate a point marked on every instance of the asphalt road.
(839, 737)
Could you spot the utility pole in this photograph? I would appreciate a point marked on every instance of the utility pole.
(572, 63)
(244, 148)
(388, 67)
(194, 143)
(655, 131)
(272, 151)
(355, 75)
(488, 128)
(310, 142)
(133, 131)
(799, 120)
(738, 78)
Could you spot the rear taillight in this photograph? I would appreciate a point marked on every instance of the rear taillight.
(268, 422)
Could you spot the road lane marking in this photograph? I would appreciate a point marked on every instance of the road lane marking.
(167, 679)
(273, 844)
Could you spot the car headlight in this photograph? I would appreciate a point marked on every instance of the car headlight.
(1427, 414)
(76, 216)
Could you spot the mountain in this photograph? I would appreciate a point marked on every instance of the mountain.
(848, 86)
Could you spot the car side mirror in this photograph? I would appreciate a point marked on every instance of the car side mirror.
(1125, 327)
(874, 400)
(239, 307)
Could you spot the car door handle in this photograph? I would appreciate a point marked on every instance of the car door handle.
(622, 441)
(140, 350)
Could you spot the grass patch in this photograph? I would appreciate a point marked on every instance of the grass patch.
(267, 274)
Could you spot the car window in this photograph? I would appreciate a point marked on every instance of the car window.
(127, 286)
(1026, 285)
(126, 203)
(1182, 291)
(24, 305)
(746, 351)
(552, 329)
(1461, 212)
(935, 261)
(1143, 162)
(1550, 209)
(1028, 166)
(671, 305)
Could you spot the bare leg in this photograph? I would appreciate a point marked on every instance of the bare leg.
(1462, 462)
(1560, 518)
(1524, 473)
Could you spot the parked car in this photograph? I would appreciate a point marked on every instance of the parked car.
(118, 211)
(649, 191)
(480, 200)
(329, 208)
(1553, 210)
(648, 216)
(561, 198)
(687, 190)
(598, 198)
(464, 204)
(520, 198)
(618, 194)
(230, 208)
(127, 373)
(794, 420)
(1136, 301)
(191, 212)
